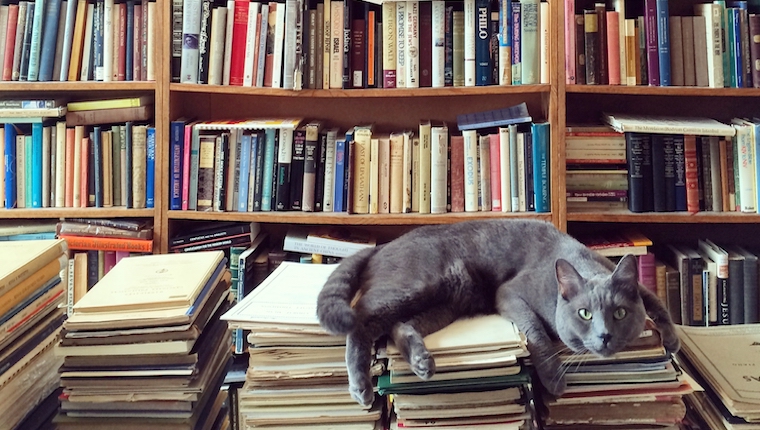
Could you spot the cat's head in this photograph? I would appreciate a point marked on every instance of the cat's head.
(601, 314)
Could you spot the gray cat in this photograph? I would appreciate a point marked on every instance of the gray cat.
(549, 284)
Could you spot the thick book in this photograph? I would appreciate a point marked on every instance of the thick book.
(107, 116)
(667, 124)
(115, 103)
(640, 173)
(494, 118)
(332, 241)
(23, 259)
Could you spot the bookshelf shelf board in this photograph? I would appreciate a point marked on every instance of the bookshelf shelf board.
(76, 213)
(625, 216)
(362, 93)
(6, 87)
(616, 90)
(342, 218)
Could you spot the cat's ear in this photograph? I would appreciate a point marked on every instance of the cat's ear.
(569, 281)
(626, 271)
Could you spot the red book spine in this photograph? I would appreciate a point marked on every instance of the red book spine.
(457, 174)
(10, 41)
(613, 48)
(692, 173)
(239, 33)
(136, 45)
(494, 143)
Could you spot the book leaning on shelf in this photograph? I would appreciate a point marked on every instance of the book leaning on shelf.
(57, 164)
(32, 292)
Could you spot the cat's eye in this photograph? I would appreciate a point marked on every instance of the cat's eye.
(584, 313)
(620, 313)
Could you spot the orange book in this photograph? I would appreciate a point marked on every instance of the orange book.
(80, 275)
(84, 195)
(69, 202)
(29, 285)
(613, 47)
(10, 41)
(77, 43)
(108, 243)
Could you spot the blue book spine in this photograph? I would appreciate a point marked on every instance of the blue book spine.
(36, 41)
(541, 166)
(347, 169)
(36, 165)
(29, 236)
(483, 70)
(129, 45)
(340, 169)
(49, 35)
(10, 166)
(68, 31)
(266, 190)
(245, 170)
(150, 168)
(663, 41)
(177, 140)
(680, 168)
(738, 66)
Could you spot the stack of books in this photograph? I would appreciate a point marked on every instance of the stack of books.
(730, 398)
(145, 346)
(296, 376)
(479, 379)
(31, 293)
(25, 229)
(215, 236)
(639, 386)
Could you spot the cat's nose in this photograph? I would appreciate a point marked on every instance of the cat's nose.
(606, 337)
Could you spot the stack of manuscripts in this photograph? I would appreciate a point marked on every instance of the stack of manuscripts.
(296, 376)
(479, 380)
(145, 347)
(639, 387)
(31, 293)
(724, 360)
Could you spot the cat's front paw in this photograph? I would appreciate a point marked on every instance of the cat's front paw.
(423, 365)
(670, 339)
(362, 391)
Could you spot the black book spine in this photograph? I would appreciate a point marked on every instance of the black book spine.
(639, 155)
(591, 39)
(750, 290)
(735, 291)
(448, 46)
(297, 169)
(670, 173)
(347, 21)
(319, 188)
(203, 42)
(698, 300)
(580, 50)
(658, 173)
(601, 64)
(223, 231)
(275, 171)
(284, 163)
(258, 166)
(176, 38)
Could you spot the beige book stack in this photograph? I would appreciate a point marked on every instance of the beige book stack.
(639, 387)
(480, 381)
(31, 293)
(724, 359)
(145, 347)
(296, 376)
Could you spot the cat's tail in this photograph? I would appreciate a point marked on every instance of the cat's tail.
(334, 302)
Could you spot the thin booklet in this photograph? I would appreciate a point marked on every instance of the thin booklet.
(625, 123)
(494, 118)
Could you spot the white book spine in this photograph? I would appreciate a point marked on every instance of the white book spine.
(469, 43)
(87, 46)
(746, 163)
(191, 28)
(60, 161)
(407, 179)
(3, 29)
(228, 41)
(279, 44)
(105, 74)
(529, 42)
(484, 168)
(439, 155)
(250, 44)
(289, 44)
(68, 37)
(412, 44)
(262, 49)
(327, 200)
(423, 170)
(470, 170)
(384, 175)
(439, 50)
(715, 42)
(543, 16)
(521, 171)
(326, 46)
(216, 55)
(374, 176)
(401, 51)
(513, 182)
(504, 173)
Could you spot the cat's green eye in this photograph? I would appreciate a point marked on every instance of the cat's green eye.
(619, 314)
(585, 314)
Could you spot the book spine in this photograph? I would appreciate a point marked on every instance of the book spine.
(529, 43)
(389, 45)
(541, 167)
(241, 205)
(613, 48)
(691, 173)
(177, 139)
(284, 160)
(470, 25)
(128, 38)
(439, 154)
(639, 156)
(150, 167)
(203, 41)
(194, 159)
(754, 45)
(663, 41)
(50, 32)
(296, 175)
(311, 155)
(191, 26)
(319, 186)
(652, 45)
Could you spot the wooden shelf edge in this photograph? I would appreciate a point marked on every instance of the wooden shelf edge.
(78, 86)
(39, 213)
(616, 90)
(343, 218)
(664, 218)
(362, 93)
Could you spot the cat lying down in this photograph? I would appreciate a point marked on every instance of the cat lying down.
(549, 284)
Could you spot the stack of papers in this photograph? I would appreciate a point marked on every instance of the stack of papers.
(296, 376)
(639, 386)
(724, 360)
(479, 379)
(31, 314)
(146, 346)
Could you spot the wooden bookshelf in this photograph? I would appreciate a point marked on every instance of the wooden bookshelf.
(76, 213)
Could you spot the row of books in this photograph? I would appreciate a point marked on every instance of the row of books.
(233, 167)
(353, 44)
(78, 40)
(32, 290)
(55, 165)
(714, 48)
